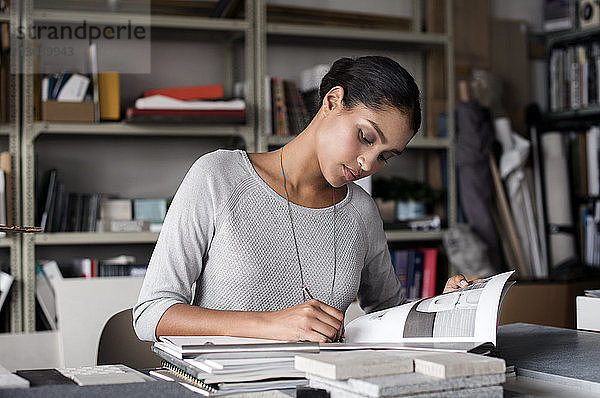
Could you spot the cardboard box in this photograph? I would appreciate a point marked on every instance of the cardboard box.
(55, 111)
(588, 313)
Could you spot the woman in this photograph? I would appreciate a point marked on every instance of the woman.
(276, 245)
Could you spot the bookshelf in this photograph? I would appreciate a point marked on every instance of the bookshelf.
(573, 107)
(373, 41)
(234, 36)
(10, 245)
(246, 41)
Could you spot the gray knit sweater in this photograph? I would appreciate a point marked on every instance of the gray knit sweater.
(227, 244)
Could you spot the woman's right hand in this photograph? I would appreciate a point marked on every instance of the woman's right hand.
(311, 320)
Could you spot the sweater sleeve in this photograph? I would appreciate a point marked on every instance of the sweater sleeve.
(379, 287)
(177, 260)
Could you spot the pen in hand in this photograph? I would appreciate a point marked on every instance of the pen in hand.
(310, 297)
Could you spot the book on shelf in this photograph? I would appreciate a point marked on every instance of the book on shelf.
(198, 104)
(91, 267)
(46, 200)
(193, 116)
(109, 96)
(280, 115)
(63, 211)
(189, 93)
(116, 209)
(289, 114)
(93, 68)
(297, 114)
(574, 73)
(416, 271)
(45, 298)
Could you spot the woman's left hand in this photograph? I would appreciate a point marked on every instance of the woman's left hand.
(457, 282)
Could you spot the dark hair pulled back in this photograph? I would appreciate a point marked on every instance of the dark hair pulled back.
(375, 82)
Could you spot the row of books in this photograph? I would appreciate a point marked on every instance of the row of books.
(117, 266)
(584, 168)
(288, 106)
(62, 211)
(589, 221)
(574, 77)
(192, 104)
(289, 115)
(584, 162)
(416, 270)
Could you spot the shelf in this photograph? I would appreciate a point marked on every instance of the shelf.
(4, 129)
(5, 241)
(566, 37)
(575, 113)
(410, 236)
(155, 21)
(278, 140)
(418, 142)
(121, 128)
(356, 34)
(95, 238)
(4, 17)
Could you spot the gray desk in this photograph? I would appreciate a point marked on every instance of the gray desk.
(156, 389)
(549, 361)
(559, 356)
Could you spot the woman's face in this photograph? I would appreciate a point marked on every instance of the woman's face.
(355, 143)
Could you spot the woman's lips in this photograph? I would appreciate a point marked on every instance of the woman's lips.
(350, 176)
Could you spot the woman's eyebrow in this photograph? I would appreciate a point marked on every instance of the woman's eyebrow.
(382, 136)
(376, 127)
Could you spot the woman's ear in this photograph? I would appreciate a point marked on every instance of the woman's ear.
(333, 99)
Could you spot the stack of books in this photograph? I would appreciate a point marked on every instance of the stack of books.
(403, 374)
(231, 364)
(195, 104)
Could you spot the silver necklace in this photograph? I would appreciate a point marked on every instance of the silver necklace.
(305, 292)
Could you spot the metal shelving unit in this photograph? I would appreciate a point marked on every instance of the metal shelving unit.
(255, 30)
(227, 30)
(11, 131)
(414, 40)
(412, 236)
(155, 21)
(94, 238)
(122, 128)
(418, 142)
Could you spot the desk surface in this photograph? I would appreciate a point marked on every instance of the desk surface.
(156, 389)
(564, 356)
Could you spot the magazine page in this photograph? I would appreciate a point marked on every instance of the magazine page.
(469, 314)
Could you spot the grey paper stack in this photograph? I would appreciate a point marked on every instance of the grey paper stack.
(403, 374)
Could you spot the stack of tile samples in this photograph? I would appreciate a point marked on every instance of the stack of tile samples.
(403, 373)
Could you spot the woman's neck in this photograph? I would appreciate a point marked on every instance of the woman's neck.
(301, 165)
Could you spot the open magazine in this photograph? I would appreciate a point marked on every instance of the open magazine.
(468, 315)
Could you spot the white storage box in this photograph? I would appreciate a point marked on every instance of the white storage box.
(588, 313)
